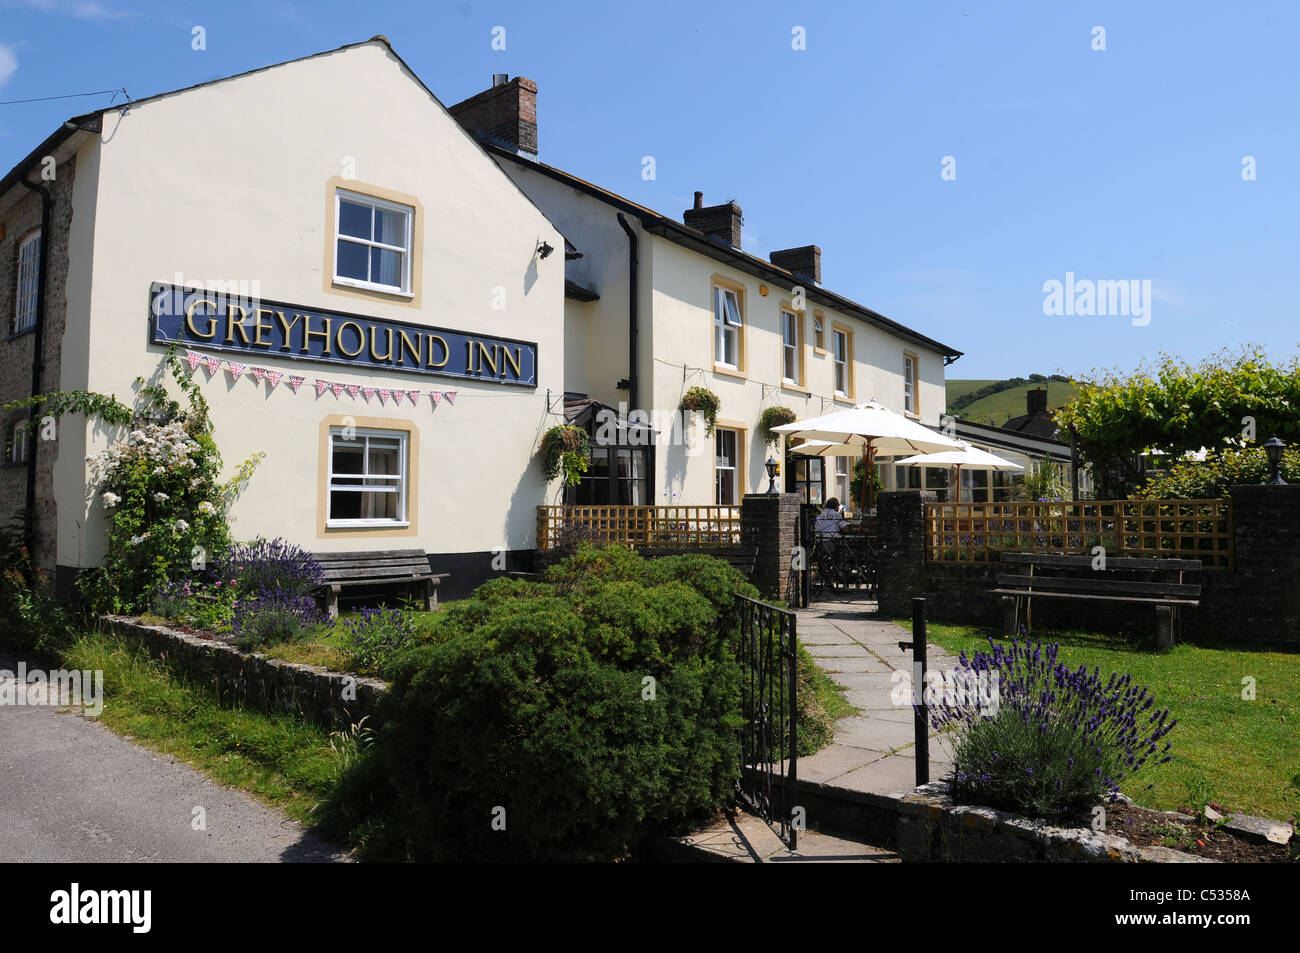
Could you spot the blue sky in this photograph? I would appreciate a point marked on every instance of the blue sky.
(1116, 164)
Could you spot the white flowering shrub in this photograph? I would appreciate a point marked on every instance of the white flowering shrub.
(160, 487)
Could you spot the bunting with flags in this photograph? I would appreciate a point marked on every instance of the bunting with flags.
(237, 370)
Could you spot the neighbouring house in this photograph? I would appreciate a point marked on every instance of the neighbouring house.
(655, 306)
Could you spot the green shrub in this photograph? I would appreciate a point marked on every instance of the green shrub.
(591, 710)
(34, 620)
(1221, 469)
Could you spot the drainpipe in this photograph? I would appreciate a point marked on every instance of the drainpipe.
(631, 313)
(38, 345)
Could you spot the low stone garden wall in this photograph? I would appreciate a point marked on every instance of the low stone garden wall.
(331, 698)
(932, 828)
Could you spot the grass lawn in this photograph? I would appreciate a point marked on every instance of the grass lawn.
(285, 760)
(1248, 752)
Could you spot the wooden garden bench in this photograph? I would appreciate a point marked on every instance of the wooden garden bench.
(740, 557)
(1072, 577)
(394, 567)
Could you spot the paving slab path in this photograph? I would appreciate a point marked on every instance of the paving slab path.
(875, 750)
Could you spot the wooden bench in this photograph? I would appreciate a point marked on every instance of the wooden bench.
(1072, 577)
(739, 557)
(409, 567)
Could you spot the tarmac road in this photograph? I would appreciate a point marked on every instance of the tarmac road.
(73, 791)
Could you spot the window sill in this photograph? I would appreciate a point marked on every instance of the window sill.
(795, 388)
(14, 335)
(366, 524)
(378, 289)
(727, 371)
(844, 399)
(820, 351)
(912, 415)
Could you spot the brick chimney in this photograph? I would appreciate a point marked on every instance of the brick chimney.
(1036, 401)
(806, 260)
(506, 114)
(717, 221)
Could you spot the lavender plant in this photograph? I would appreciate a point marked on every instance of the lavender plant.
(273, 616)
(1061, 740)
(369, 640)
(263, 565)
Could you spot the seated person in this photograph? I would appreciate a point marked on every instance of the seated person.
(830, 521)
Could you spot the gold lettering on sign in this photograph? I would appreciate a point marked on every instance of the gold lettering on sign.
(212, 322)
(361, 339)
(287, 327)
(486, 357)
(259, 327)
(515, 361)
(469, 356)
(375, 355)
(308, 334)
(416, 347)
(446, 351)
(232, 324)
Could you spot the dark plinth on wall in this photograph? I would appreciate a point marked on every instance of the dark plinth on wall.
(771, 523)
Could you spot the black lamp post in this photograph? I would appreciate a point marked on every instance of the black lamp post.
(1274, 447)
(771, 466)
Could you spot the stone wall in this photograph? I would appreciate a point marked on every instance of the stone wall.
(16, 353)
(901, 549)
(1257, 601)
(331, 698)
(934, 829)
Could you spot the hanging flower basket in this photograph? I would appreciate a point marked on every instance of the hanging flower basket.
(774, 417)
(565, 450)
(701, 400)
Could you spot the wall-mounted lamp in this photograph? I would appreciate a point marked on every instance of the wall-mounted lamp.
(544, 250)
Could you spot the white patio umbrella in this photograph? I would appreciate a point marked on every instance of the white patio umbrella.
(967, 456)
(870, 429)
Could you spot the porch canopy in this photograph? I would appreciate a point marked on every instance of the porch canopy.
(967, 456)
(870, 429)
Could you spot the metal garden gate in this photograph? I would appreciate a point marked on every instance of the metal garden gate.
(769, 736)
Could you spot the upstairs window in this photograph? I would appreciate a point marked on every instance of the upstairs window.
(790, 369)
(728, 327)
(909, 383)
(819, 332)
(372, 243)
(27, 295)
(843, 368)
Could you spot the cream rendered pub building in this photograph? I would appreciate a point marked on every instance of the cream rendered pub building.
(292, 232)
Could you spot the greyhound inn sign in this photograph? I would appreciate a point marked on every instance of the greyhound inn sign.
(223, 322)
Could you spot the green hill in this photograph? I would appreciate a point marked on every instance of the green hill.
(957, 389)
(1006, 401)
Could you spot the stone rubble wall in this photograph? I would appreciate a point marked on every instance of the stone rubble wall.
(330, 698)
